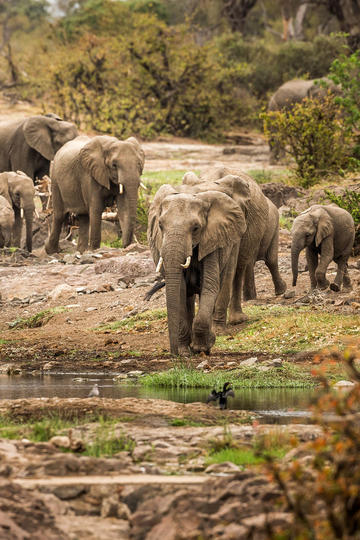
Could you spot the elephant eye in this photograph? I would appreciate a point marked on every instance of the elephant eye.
(114, 165)
(195, 228)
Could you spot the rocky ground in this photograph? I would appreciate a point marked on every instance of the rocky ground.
(55, 314)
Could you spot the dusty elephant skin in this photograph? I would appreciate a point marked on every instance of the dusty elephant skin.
(30, 144)
(88, 174)
(18, 189)
(327, 232)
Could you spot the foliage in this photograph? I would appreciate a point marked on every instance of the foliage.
(108, 443)
(314, 134)
(345, 71)
(137, 323)
(288, 376)
(323, 492)
(350, 201)
(37, 320)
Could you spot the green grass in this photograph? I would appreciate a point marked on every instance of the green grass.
(154, 179)
(107, 443)
(288, 376)
(289, 329)
(37, 431)
(137, 323)
(263, 176)
(285, 222)
(243, 456)
(37, 320)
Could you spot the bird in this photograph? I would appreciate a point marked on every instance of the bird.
(222, 396)
(94, 392)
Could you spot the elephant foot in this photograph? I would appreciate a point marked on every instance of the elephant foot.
(219, 328)
(347, 282)
(51, 249)
(237, 317)
(203, 343)
(249, 295)
(184, 350)
(335, 287)
(280, 288)
(323, 284)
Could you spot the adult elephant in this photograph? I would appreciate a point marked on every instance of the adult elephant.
(327, 232)
(293, 92)
(194, 238)
(18, 189)
(30, 144)
(268, 252)
(6, 222)
(87, 175)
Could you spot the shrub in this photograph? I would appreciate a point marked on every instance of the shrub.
(350, 201)
(323, 490)
(314, 134)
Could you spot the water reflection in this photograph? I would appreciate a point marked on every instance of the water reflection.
(275, 405)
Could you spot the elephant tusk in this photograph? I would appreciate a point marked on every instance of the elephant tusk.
(21, 213)
(159, 264)
(121, 189)
(143, 185)
(36, 213)
(187, 263)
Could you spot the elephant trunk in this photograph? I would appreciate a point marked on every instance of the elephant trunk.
(295, 252)
(127, 206)
(28, 215)
(173, 254)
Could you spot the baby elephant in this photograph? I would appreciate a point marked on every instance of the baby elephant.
(7, 220)
(326, 231)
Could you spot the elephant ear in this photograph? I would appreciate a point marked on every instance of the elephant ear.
(153, 232)
(92, 158)
(37, 134)
(214, 173)
(324, 226)
(225, 222)
(191, 179)
(140, 152)
(4, 186)
(237, 185)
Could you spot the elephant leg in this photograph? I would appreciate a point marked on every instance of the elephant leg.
(52, 243)
(83, 241)
(16, 236)
(326, 256)
(340, 274)
(346, 278)
(95, 227)
(249, 282)
(187, 310)
(203, 338)
(223, 299)
(312, 263)
(271, 261)
(236, 314)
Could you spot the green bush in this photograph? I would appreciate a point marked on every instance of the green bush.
(314, 134)
(350, 201)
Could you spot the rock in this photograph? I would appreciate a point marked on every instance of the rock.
(69, 492)
(203, 365)
(111, 507)
(130, 266)
(344, 384)
(91, 308)
(120, 377)
(289, 294)
(276, 362)
(227, 467)
(60, 441)
(135, 373)
(249, 362)
(61, 291)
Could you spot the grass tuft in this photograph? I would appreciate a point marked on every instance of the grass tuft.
(37, 320)
(138, 323)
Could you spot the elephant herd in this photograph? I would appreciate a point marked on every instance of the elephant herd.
(205, 235)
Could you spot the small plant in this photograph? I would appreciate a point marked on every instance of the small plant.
(350, 201)
(314, 134)
(107, 443)
(37, 320)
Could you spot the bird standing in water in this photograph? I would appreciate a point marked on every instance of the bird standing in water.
(222, 396)
(94, 392)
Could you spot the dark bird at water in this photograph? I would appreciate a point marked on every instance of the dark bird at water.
(94, 392)
(222, 396)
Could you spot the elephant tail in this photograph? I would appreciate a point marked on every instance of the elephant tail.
(159, 285)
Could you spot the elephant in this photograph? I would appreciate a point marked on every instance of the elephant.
(7, 220)
(268, 252)
(295, 91)
(194, 239)
(18, 189)
(326, 231)
(268, 244)
(30, 144)
(88, 174)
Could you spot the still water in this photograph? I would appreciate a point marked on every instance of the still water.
(276, 405)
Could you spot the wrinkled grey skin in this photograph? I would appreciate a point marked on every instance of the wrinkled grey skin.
(7, 221)
(206, 226)
(19, 190)
(86, 176)
(268, 252)
(327, 233)
(292, 92)
(30, 144)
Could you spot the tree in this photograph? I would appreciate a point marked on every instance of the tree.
(236, 12)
